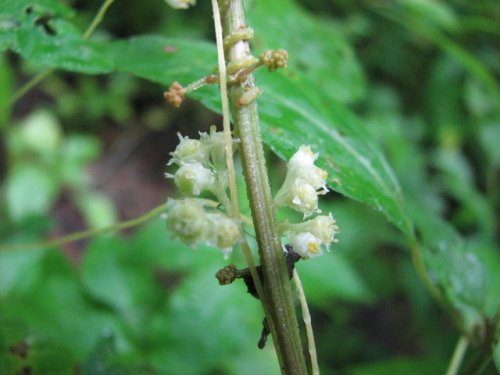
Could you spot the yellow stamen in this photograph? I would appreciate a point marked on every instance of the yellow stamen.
(313, 247)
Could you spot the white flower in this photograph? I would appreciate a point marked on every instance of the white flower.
(303, 183)
(301, 165)
(304, 198)
(323, 228)
(306, 245)
(180, 4)
(188, 151)
(193, 178)
(187, 220)
(225, 233)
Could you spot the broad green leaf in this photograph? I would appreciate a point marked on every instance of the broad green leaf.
(41, 33)
(19, 271)
(111, 275)
(163, 60)
(41, 133)
(454, 267)
(30, 191)
(294, 112)
(101, 360)
(317, 47)
(61, 320)
(97, 209)
(436, 13)
(208, 323)
(333, 278)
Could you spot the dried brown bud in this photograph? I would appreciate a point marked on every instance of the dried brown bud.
(212, 78)
(175, 95)
(226, 275)
(274, 59)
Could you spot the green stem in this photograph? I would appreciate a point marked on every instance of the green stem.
(277, 288)
(306, 317)
(88, 233)
(458, 356)
(97, 19)
(233, 208)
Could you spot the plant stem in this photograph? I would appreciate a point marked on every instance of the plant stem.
(277, 288)
(97, 19)
(458, 355)
(88, 233)
(306, 317)
(233, 208)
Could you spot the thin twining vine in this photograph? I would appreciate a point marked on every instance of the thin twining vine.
(76, 236)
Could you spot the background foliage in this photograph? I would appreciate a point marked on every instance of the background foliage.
(401, 98)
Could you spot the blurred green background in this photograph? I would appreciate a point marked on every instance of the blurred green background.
(88, 146)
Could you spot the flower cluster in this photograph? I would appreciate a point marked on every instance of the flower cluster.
(202, 168)
(304, 182)
(308, 237)
(274, 59)
(193, 223)
(202, 165)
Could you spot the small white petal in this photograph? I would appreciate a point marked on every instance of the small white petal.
(304, 198)
(306, 245)
(303, 158)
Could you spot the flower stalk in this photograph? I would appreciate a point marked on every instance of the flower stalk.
(278, 295)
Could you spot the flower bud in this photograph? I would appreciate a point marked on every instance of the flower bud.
(304, 198)
(188, 151)
(303, 183)
(274, 59)
(301, 165)
(193, 178)
(187, 220)
(225, 232)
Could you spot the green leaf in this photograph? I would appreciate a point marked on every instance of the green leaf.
(317, 48)
(433, 12)
(19, 271)
(163, 60)
(97, 209)
(209, 324)
(62, 322)
(41, 33)
(294, 112)
(110, 275)
(30, 191)
(333, 277)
